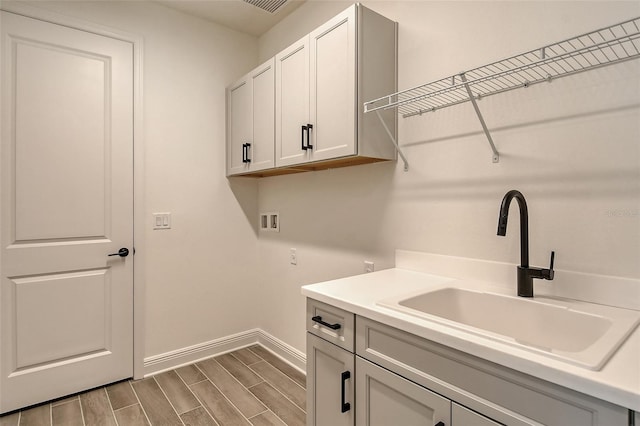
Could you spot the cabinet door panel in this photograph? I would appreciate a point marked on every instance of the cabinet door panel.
(292, 102)
(261, 152)
(463, 416)
(239, 125)
(384, 398)
(325, 365)
(333, 87)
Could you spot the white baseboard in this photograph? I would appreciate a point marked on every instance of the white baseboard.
(288, 353)
(184, 356)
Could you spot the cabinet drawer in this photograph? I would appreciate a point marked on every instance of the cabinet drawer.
(481, 385)
(330, 323)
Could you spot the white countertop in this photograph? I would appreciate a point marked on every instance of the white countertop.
(617, 382)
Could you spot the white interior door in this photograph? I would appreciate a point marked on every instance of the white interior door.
(66, 152)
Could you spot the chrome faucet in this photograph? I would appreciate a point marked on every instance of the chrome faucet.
(526, 274)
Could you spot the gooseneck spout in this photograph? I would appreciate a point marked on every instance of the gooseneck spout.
(526, 274)
(524, 223)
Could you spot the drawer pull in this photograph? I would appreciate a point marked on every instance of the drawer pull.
(247, 159)
(440, 424)
(345, 405)
(318, 319)
(306, 129)
(304, 147)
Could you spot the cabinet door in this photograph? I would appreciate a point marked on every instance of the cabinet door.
(465, 417)
(260, 154)
(330, 389)
(250, 121)
(239, 124)
(292, 103)
(333, 87)
(384, 398)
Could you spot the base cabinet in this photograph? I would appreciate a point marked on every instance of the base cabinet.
(503, 395)
(398, 378)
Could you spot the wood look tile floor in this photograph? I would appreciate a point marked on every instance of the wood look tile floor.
(250, 386)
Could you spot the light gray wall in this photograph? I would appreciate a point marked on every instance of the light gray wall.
(572, 147)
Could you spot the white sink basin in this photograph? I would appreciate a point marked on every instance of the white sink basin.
(583, 334)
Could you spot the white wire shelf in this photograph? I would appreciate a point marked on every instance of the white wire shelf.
(606, 46)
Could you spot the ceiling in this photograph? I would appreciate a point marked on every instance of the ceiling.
(235, 14)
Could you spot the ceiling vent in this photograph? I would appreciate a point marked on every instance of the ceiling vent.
(271, 6)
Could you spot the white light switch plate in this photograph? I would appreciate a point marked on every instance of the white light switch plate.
(162, 221)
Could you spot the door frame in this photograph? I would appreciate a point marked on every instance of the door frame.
(138, 159)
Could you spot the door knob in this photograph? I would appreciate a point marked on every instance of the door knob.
(123, 252)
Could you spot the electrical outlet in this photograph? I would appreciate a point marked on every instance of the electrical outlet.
(293, 256)
(368, 266)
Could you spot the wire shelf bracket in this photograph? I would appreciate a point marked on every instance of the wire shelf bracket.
(496, 154)
(393, 141)
(606, 46)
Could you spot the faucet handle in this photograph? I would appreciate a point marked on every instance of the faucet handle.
(549, 274)
(540, 273)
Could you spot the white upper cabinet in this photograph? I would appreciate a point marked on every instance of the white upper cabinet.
(321, 83)
(250, 121)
